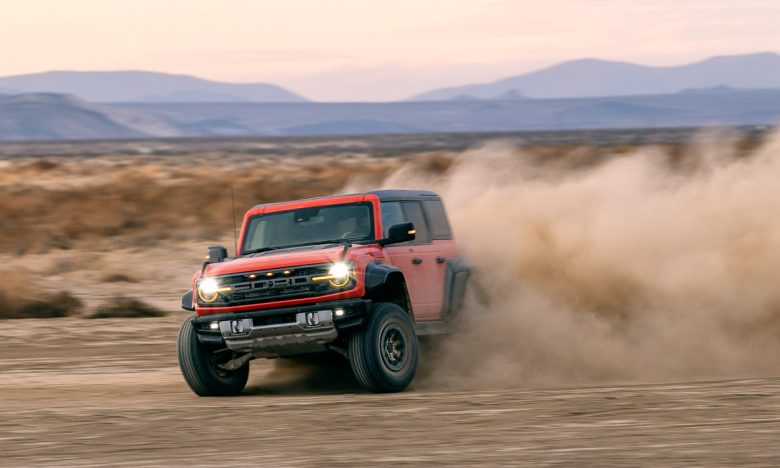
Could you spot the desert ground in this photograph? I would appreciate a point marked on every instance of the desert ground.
(625, 309)
(111, 395)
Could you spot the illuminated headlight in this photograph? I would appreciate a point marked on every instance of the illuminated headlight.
(338, 275)
(209, 289)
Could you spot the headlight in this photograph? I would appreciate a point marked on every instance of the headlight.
(208, 290)
(338, 275)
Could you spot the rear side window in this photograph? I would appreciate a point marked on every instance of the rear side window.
(437, 217)
(406, 212)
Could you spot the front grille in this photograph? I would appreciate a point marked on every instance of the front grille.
(273, 285)
(277, 292)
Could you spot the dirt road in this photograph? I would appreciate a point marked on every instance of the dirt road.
(108, 392)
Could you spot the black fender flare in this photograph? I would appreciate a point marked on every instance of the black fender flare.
(378, 274)
(456, 277)
(186, 301)
(379, 277)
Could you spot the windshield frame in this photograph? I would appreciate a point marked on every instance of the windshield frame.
(245, 238)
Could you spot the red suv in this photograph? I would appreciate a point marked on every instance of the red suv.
(361, 275)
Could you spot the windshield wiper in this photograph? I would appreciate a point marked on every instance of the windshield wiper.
(347, 243)
(260, 250)
(279, 247)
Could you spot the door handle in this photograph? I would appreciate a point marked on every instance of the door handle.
(440, 259)
(417, 260)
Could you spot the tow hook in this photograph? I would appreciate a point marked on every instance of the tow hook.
(236, 363)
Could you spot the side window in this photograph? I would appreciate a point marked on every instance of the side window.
(391, 215)
(440, 227)
(414, 214)
(406, 212)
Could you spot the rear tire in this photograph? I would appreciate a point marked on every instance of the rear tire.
(198, 365)
(383, 354)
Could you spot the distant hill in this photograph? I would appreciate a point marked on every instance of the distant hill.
(56, 116)
(143, 86)
(47, 116)
(593, 78)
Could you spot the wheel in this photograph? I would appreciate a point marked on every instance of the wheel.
(198, 365)
(383, 354)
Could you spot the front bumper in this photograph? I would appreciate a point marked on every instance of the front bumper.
(282, 332)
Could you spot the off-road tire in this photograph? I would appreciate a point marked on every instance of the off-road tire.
(376, 362)
(199, 371)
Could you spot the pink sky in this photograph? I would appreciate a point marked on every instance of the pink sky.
(350, 50)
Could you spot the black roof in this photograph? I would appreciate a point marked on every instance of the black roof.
(384, 195)
(403, 194)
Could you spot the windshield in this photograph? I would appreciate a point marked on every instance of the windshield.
(307, 226)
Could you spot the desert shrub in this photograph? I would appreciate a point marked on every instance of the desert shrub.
(125, 307)
(119, 278)
(42, 165)
(49, 305)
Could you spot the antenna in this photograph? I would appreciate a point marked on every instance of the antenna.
(233, 210)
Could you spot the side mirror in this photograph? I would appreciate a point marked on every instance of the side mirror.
(398, 233)
(217, 254)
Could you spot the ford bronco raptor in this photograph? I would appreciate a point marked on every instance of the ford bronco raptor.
(362, 275)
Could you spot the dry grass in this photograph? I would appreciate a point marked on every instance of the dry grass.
(114, 201)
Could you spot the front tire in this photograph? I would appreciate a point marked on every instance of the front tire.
(383, 353)
(198, 365)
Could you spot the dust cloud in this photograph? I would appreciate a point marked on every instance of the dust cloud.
(643, 266)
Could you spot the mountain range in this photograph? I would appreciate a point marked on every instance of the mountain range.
(60, 117)
(596, 78)
(577, 78)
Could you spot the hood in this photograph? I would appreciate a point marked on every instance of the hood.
(273, 259)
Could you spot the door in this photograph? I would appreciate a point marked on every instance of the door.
(419, 260)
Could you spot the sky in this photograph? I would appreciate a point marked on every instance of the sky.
(372, 50)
